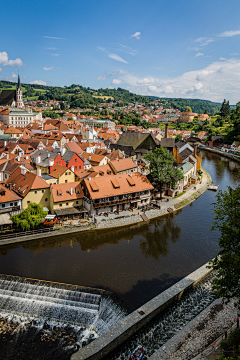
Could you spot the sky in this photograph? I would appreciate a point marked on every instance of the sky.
(166, 48)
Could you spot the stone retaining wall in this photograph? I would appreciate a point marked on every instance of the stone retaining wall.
(128, 326)
(219, 152)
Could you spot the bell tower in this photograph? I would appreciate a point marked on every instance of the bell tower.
(19, 94)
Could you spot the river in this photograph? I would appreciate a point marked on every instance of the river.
(137, 262)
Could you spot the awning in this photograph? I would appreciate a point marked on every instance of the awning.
(45, 209)
(70, 211)
(194, 177)
(5, 219)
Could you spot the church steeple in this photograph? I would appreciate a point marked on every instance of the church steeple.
(19, 101)
(19, 83)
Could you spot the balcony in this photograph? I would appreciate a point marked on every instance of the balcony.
(115, 202)
(9, 209)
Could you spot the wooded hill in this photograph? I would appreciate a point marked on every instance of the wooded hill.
(82, 97)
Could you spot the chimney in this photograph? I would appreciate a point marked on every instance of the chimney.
(10, 186)
(48, 155)
(1, 176)
(89, 178)
(7, 155)
(5, 143)
(27, 157)
(195, 150)
(63, 150)
(39, 172)
(38, 159)
(71, 191)
(46, 142)
(89, 158)
(51, 162)
(23, 171)
(72, 168)
(21, 154)
(166, 130)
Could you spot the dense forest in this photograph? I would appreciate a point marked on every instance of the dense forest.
(82, 97)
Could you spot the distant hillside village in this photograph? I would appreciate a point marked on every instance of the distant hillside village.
(78, 166)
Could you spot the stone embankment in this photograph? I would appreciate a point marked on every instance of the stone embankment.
(202, 331)
(132, 218)
(219, 152)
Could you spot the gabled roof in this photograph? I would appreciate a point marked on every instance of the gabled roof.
(185, 167)
(7, 97)
(122, 164)
(7, 195)
(58, 170)
(185, 153)
(23, 183)
(134, 139)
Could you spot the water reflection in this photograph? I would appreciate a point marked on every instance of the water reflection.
(156, 240)
(136, 262)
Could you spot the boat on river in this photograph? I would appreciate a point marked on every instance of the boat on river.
(213, 187)
(137, 353)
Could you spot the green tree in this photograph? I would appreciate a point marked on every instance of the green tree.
(187, 108)
(162, 170)
(225, 108)
(178, 137)
(30, 217)
(226, 264)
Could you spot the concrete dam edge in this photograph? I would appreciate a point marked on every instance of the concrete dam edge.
(132, 323)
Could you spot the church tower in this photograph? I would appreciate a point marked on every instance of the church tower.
(19, 100)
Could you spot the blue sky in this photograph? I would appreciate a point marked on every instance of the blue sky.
(168, 48)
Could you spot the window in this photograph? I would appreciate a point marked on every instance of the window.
(35, 192)
(5, 176)
(3, 205)
(75, 167)
(46, 199)
(65, 181)
(79, 167)
(15, 204)
(60, 205)
(42, 191)
(28, 202)
(77, 202)
(66, 204)
(11, 204)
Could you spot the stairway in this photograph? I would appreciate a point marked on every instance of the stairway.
(144, 217)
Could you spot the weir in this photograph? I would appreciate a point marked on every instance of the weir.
(54, 303)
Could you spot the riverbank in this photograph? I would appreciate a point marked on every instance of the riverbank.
(219, 152)
(134, 217)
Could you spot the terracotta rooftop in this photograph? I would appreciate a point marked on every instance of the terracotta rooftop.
(127, 185)
(122, 164)
(62, 192)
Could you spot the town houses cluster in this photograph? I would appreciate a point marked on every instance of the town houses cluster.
(78, 166)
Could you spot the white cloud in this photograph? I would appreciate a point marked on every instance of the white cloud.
(117, 58)
(38, 82)
(199, 54)
(215, 82)
(126, 49)
(0, 70)
(136, 35)
(115, 73)
(48, 68)
(53, 37)
(203, 41)
(51, 48)
(117, 81)
(230, 33)
(55, 54)
(12, 77)
(6, 62)
(222, 58)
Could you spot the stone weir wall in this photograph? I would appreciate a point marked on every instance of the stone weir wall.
(132, 323)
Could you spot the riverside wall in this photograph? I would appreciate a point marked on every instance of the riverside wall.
(176, 204)
(219, 152)
(132, 323)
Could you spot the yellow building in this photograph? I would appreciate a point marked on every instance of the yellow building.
(66, 200)
(62, 174)
(186, 116)
(30, 187)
